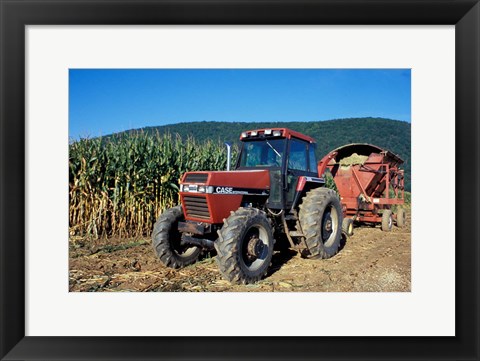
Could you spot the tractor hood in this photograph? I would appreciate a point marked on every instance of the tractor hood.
(227, 182)
(209, 197)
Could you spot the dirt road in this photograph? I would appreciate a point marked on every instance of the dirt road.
(370, 261)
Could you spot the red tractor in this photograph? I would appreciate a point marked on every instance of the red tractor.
(274, 192)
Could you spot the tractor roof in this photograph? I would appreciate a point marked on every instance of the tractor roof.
(286, 133)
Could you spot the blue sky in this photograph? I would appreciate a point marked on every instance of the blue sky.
(105, 101)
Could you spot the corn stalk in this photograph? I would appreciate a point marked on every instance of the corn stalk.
(119, 185)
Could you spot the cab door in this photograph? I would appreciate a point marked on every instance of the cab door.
(298, 164)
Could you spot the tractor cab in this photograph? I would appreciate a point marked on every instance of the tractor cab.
(289, 157)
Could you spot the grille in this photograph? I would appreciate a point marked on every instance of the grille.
(196, 178)
(196, 207)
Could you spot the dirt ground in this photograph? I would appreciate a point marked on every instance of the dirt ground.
(369, 261)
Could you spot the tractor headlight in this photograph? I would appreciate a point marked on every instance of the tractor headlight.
(277, 133)
(244, 135)
(205, 189)
(254, 133)
(194, 188)
(268, 131)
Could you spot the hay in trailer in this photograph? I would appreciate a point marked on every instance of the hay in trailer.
(354, 159)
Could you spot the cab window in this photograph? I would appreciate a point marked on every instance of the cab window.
(297, 158)
(262, 153)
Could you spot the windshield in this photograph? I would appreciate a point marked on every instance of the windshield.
(264, 153)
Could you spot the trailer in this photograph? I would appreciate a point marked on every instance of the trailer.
(369, 181)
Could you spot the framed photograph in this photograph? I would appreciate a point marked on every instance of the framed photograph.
(303, 95)
(294, 164)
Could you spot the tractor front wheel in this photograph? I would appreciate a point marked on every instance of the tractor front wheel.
(321, 220)
(166, 240)
(245, 246)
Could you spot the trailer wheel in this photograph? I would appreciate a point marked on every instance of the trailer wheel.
(387, 220)
(347, 226)
(166, 240)
(245, 246)
(321, 219)
(401, 217)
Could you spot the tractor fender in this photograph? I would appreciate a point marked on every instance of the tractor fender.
(305, 184)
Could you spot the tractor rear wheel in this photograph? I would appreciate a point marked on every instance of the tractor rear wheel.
(401, 217)
(245, 246)
(321, 220)
(347, 226)
(166, 240)
(387, 220)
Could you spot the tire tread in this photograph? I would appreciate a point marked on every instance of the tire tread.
(162, 244)
(227, 246)
(311, 210)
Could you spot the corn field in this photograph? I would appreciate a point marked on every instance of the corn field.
(119, 185)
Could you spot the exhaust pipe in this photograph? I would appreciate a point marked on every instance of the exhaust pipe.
(229, 154)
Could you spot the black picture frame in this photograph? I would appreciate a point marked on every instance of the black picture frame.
(464, 14)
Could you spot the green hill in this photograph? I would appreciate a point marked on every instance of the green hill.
(390, 134)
